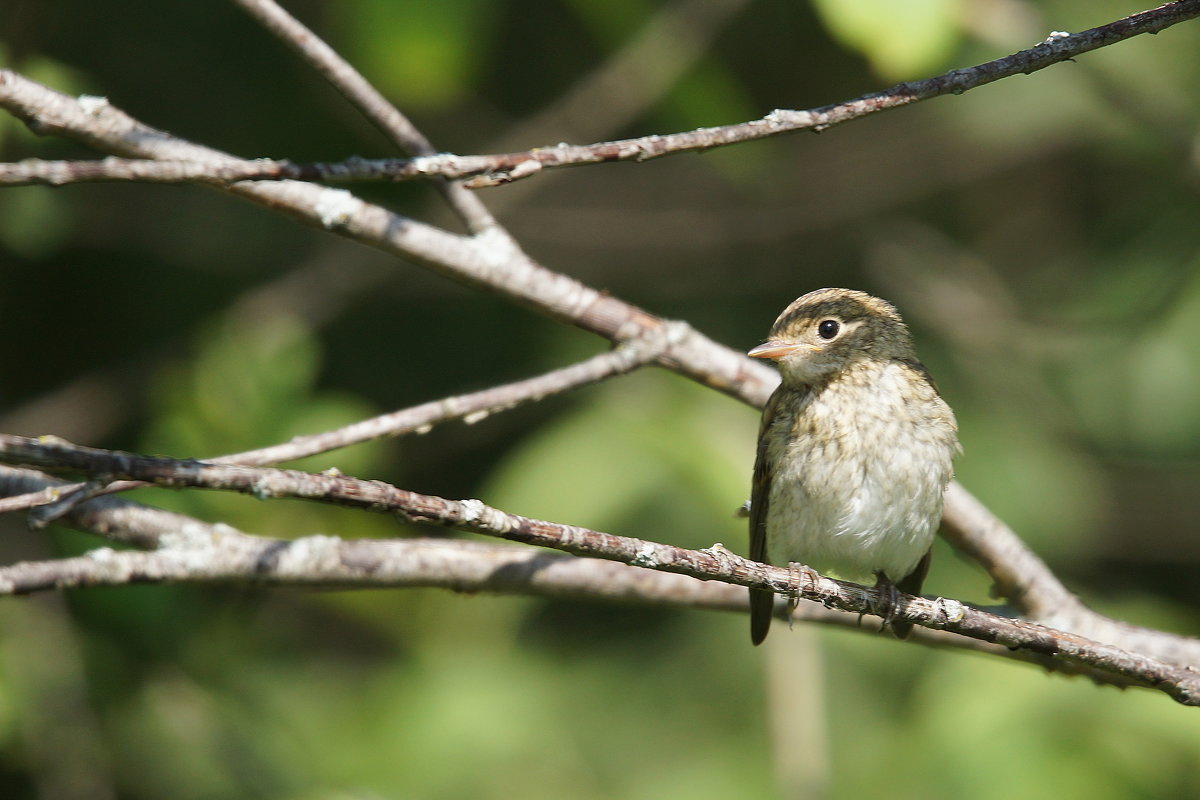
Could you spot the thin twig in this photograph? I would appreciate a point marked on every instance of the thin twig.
(472, 408)
(488, 170)
(503, 168)
(33, 171)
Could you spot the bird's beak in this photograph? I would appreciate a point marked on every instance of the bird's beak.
(774, 350)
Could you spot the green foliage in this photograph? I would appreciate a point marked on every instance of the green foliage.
(1156, 391)
(426, 56)
(901, 40)
(1048, 738)
(1049, 493)
(35, 222)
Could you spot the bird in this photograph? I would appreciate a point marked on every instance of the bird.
(855, 450)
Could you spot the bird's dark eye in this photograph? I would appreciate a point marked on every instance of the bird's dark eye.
(828, 329)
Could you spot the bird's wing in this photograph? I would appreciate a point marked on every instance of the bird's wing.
(762, 602)
(912, 585)
(921, 370)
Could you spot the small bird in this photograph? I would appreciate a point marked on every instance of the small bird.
(854, 449)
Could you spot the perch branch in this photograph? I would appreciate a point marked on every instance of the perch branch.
(716, 563)
(452, 564)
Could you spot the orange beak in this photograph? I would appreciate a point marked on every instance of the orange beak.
(774, 350)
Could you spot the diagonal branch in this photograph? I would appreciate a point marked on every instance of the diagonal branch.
(1058, 47)
(471, 408)
(1026, 581)
(489, 261)
(488, 170)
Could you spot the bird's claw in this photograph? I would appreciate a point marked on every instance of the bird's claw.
(887, 599)
(798, 573)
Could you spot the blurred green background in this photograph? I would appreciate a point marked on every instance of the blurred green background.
(1040, 235)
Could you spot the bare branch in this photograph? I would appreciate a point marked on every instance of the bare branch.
(1033, 589)
(490, 170)
(461, 566)
(503, 168)
(344, 77)
(716, 563)
(490, 261)
(191, 551)
(115, 519)
(33, 171)
(471, 407)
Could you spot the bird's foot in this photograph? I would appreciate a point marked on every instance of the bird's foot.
(888, 598)
(798, 573)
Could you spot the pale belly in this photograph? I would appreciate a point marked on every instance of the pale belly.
(862, 497)
(880, 523)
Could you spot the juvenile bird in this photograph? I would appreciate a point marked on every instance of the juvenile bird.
(854, 449)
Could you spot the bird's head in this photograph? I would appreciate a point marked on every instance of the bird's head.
(829, 330)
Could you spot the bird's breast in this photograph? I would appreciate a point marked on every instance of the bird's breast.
(858, 470)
